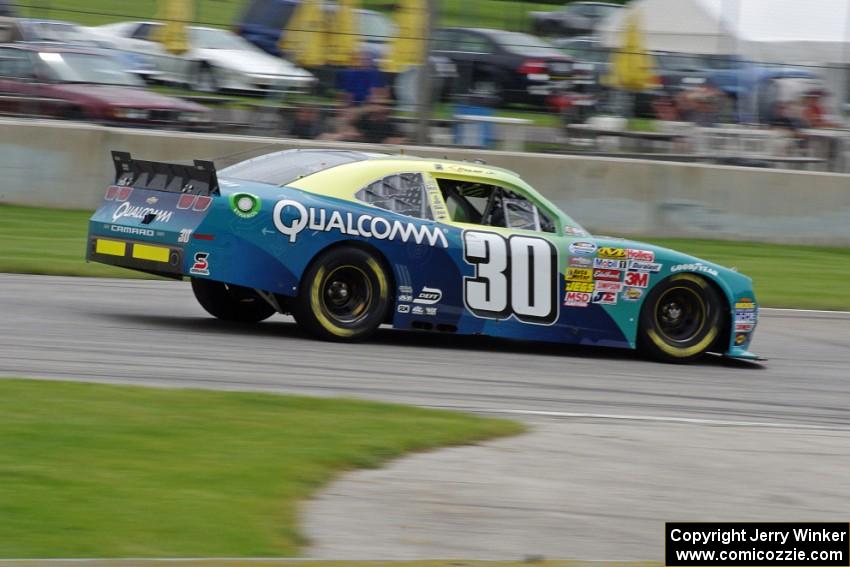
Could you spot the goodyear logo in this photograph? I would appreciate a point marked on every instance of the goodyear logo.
(612, 253)
(580, 274)
(580, 287)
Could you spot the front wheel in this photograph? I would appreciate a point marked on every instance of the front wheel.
(681, 318)
(231, 302)
(344, 295)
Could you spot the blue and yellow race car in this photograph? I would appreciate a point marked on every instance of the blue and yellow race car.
(346, 241)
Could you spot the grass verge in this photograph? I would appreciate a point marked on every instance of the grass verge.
(91, 470)
(50, 241)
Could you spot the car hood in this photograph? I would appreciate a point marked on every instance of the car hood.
(128, 96)
(253, 62)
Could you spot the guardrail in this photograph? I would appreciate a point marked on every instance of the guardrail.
(65, 164)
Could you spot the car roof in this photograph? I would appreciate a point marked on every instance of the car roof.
(50, 48)
(273, 170)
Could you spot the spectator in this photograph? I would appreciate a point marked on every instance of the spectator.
(306, 124)
(375, 125)
(813, 114)
(357, 84)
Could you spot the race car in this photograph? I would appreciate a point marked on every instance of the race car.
(347, 241)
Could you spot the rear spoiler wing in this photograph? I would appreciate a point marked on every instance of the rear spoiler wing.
(197, 179)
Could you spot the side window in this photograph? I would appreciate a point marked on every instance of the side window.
(143, 31)
(15, 64)
(443, 41)
(473, 43)
(403, 194)
(490, 205)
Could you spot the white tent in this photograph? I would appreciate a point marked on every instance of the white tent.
(795, 32)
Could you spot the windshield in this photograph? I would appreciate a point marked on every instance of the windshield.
(525, 44)
(55, 31)
(205, 38)
(87, 68)
(282, 168)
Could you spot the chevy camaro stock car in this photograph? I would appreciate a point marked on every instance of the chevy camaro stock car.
(346, 241)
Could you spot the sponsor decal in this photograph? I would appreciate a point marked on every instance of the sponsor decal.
(642, 266)
(431, 311)
(745, 304)
(577, 299)
(636, 279)
(698, 267)
(128, 210)
(580, 274)
(744, 327)
(632, 293)
(405, 289)
(606, 275)
(605, 297)
(201, 266)
(185, 233)
(574, 231)
(607, 264)
(429, 296)
(407, 298)
(291, 218)
(609, 286)
(740, 339)
(580, 262)
(403, 309)
(745, 318)
(151, 200)
(130, 230)
(417, 310)
(245, 205)
(582, 287)
(583, 248)
(613, 253)
(642, 255)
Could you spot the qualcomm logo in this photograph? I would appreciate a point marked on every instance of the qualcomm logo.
(127, 210)
(291, 218)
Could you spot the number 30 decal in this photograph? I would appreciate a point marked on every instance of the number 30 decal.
(516, 277)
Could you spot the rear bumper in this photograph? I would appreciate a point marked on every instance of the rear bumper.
(158, 259)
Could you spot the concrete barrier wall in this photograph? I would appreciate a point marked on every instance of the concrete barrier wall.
(59, 164)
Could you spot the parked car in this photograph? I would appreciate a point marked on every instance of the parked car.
(32, 30)
(263, 22)
(505, 66)
(576, 18)
(76, 83)
(217, 60)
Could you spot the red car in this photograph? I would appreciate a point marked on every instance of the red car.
(75, 83)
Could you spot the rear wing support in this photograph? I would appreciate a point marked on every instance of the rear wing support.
(197, 179)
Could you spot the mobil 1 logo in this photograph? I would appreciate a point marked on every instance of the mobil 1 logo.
(515, 276)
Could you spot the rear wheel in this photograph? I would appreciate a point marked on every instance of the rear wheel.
(231, 302)
(344, 296)
(682, 317)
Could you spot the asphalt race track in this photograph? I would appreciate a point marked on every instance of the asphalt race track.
(153, 332)
(617, 445)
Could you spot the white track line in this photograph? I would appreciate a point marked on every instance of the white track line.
(818, 311)
(652, 418)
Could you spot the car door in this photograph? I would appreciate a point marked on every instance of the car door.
(141, 38)
(509, 251)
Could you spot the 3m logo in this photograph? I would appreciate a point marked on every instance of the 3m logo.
(637, 279)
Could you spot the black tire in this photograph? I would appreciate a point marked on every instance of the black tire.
(344, 295)
(681, 319)
(231, 302)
